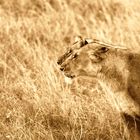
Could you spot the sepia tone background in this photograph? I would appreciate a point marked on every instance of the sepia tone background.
(35, 102)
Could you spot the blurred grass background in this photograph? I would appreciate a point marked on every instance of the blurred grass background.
(35, 102)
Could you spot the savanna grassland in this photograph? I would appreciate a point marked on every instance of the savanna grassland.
(35, 102)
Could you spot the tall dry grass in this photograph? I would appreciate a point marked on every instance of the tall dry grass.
(35, 102)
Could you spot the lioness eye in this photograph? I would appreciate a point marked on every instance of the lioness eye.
(75, 55)
(69, 50)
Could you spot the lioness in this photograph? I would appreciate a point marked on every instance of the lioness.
(117, 68)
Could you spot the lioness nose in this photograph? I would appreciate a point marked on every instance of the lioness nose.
(62, 68)
(58, 62)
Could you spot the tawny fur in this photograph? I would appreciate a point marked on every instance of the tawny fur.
(115, 67)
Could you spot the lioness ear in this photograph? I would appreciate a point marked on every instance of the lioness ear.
(82, 42)
(98, 55)
(78, 39)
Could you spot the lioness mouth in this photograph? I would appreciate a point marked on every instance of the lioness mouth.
(69, 75)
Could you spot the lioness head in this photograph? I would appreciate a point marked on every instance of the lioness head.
(90, 57)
